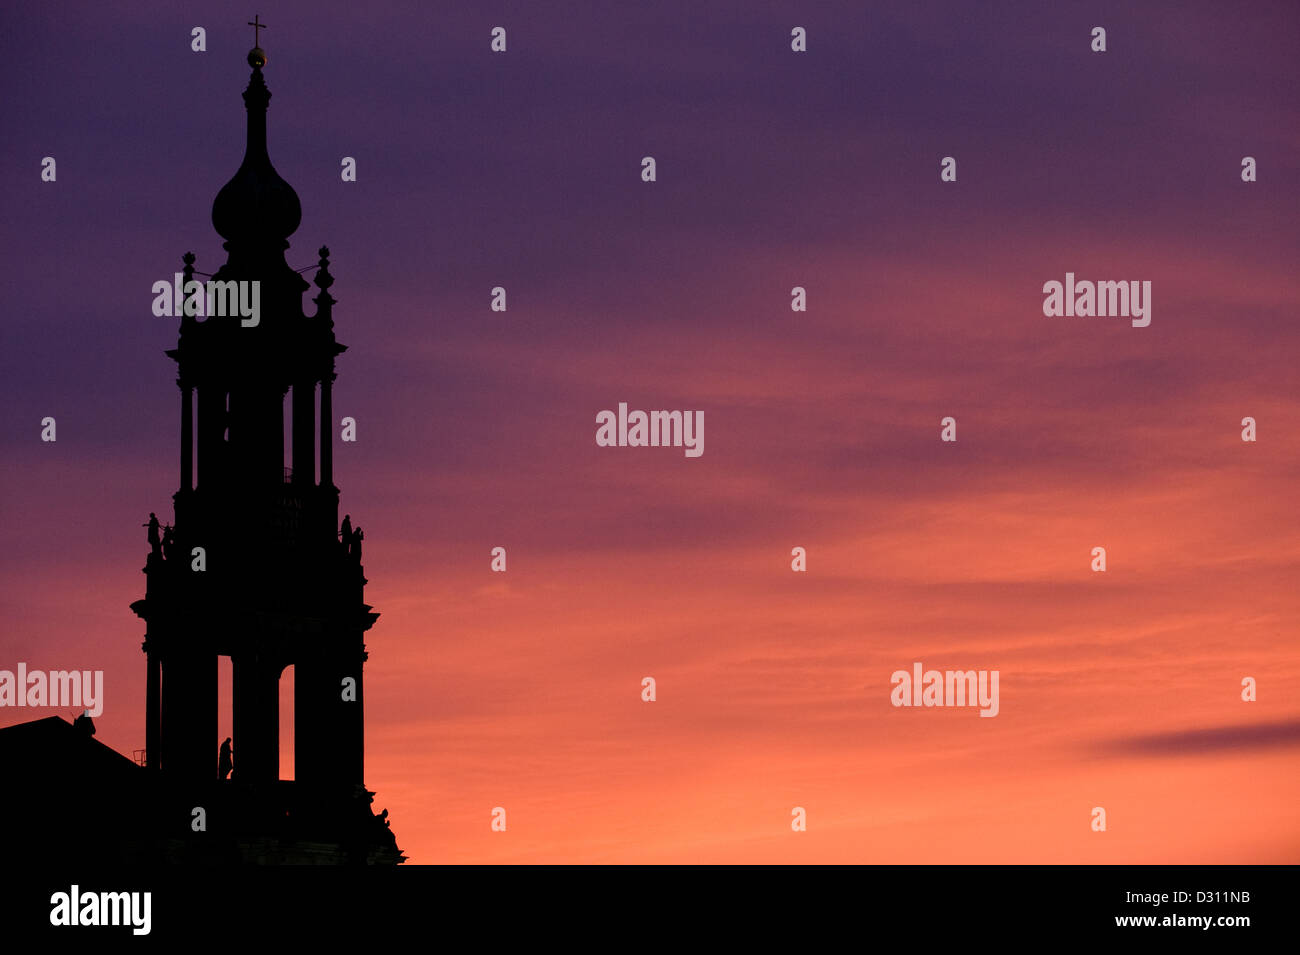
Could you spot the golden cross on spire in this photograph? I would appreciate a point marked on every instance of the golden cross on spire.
(257, 25)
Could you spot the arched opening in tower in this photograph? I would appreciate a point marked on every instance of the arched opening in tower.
(286, 723)
(225, 702)
(286, 416)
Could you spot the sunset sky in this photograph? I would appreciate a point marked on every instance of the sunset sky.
(476, 428)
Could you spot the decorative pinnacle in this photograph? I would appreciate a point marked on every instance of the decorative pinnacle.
(323, 278)
(188, 258)
(324, 301)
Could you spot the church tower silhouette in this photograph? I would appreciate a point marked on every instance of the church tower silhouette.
(254, 568)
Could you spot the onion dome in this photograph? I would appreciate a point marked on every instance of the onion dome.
(256, 207)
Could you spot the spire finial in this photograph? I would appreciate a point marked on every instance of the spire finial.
(257, 56)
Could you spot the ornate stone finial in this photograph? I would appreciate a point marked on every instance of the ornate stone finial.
(188, 272)
(324, 301)
(323, 278)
